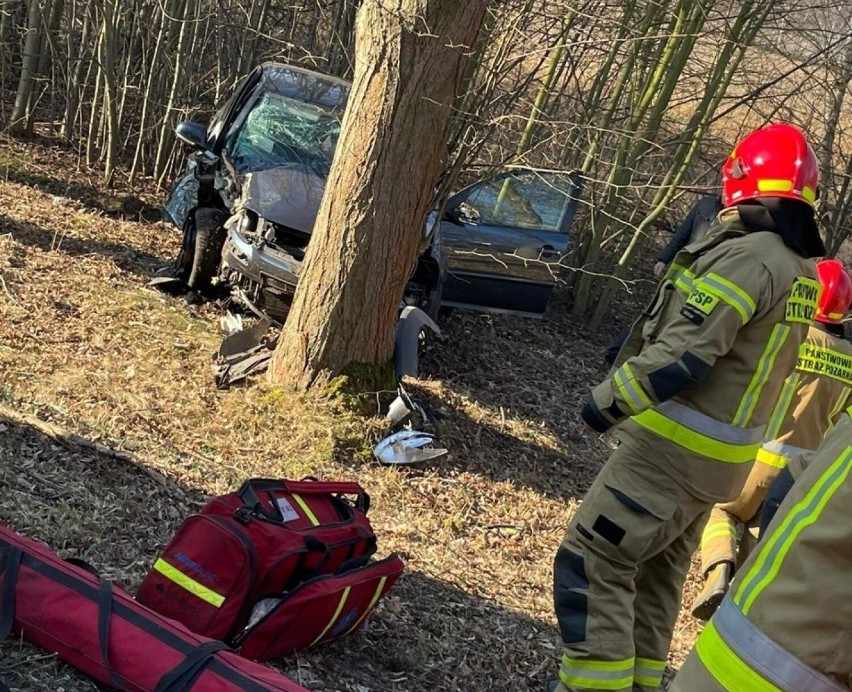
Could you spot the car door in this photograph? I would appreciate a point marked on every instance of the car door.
(506, 239)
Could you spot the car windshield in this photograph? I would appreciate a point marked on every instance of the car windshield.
(281, 131)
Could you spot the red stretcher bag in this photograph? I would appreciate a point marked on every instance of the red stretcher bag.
(99, 629)
(242, 551)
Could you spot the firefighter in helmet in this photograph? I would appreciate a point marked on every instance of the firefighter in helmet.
(692, 391)
(814, 396)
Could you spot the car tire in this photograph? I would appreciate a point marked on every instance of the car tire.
(201, 253)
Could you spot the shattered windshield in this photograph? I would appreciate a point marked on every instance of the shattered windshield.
(280, 131)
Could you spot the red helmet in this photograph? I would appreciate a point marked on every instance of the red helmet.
(836, 295)
(775, 161)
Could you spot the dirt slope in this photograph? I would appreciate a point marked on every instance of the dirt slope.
(86, 346)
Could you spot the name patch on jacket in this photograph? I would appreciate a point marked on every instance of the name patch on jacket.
(824, 361)
(702, 300)
(802, 303)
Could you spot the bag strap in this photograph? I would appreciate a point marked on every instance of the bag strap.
(248, 491)
(7, 599)
(182, 677)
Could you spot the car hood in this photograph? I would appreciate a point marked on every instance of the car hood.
(289, 196)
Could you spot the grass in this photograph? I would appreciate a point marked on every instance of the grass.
(85, 345)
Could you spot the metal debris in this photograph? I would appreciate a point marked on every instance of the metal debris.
(408, 447)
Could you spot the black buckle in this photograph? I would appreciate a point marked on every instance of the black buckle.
(243, 515)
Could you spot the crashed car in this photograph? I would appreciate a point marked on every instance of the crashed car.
(247, 202)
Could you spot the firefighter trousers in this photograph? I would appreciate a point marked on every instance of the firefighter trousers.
(719, 539)
(619, 573)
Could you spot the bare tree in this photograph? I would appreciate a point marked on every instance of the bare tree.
(410, 61)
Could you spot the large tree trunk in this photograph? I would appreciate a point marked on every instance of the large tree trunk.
(410, 57)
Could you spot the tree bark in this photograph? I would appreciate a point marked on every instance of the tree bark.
(29, 68)
(410, 58)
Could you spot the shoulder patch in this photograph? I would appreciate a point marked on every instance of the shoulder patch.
(702, 300)
(802, 303)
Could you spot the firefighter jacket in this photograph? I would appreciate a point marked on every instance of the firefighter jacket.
(785, 625)
(814, 396)
(705, 363)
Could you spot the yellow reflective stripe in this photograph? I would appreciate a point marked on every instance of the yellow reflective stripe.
(728, 291)
(681, 276)
(726, 667)
(803, 514)
(648, 672)
(373, 601)
(335, 616)
(630, 389)
(307, 510)
(782, 406)
(694, 441)
(778, 461)
(718, 530)
(186, 582)
(809, 194)
(774, 185)
(596, 675)
(761, 375)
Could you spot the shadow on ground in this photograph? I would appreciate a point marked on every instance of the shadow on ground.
(127, 258)
(117, 515)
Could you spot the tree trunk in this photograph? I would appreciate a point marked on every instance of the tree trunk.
(29, 68)
(410, 58)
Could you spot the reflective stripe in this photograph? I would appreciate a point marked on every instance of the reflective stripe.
(307, 510)
(777, 461)
(809, 194)
(173, 574)
(701, 434)
(376, 596)
(631, 390)
(782, 406)
(778, 454)
(718, 529)
(802, 515)
(774, 185)
(772, 662)
(648, 672)
(761, 374)
(682, 277)
(726, 667)
(728, 291)
(596, 675)
(335, 616)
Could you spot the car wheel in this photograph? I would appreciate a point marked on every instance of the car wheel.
(201, 249)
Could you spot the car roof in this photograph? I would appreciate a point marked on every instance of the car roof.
(306, 85)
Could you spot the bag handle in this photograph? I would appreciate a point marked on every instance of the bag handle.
(248, 491)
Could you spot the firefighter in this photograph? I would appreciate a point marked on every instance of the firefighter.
(812, 399)
(692, 391)
(784, 626)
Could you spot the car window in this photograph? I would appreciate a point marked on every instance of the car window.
(218, 120)
(527, 200)
(280, 131)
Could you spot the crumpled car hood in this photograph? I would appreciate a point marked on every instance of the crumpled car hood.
(289, 196)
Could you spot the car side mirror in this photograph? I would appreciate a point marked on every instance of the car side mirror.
(454, 215)
(194, 134)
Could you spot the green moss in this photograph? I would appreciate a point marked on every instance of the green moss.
(359, 384)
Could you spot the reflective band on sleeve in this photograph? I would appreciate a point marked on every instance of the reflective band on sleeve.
(777, 461)
(728, 291)
(307, 510)
(648, 672)
(631, 390)
(701, 434)
(825, 362)
(173, 574)
(782, 406)
(770, 661)
(596, 675)
(724, 665)
(681, 277)
(334, 617)
(748, 403)
(773, 551)
(373, 601)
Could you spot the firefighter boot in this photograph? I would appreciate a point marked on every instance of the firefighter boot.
(716, 583)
